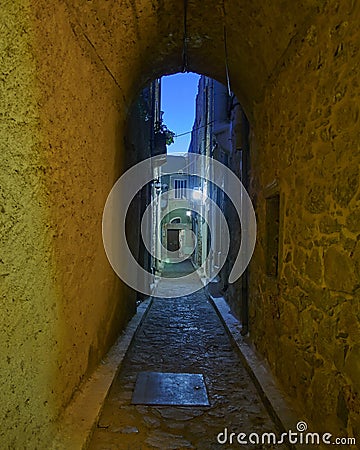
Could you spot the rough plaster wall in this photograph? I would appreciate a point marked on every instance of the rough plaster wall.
(136, 39)
(307, 137)
(82, 124)
(82, 140)
(28, 306)
(61, 139)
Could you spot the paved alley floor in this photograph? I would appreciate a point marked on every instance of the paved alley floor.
(182, 335)
(170, 282)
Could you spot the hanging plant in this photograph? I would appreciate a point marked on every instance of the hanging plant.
(162, 132)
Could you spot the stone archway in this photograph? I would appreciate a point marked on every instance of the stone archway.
(140, 40)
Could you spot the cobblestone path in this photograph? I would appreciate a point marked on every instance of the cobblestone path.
(182, 335)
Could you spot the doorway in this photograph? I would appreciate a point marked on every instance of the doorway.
(173, 241)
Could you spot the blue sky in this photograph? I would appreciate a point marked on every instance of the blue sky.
(178, 103)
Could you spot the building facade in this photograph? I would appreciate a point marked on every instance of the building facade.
(220, 132)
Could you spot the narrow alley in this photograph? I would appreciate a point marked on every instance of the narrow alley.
(264, 199)
(182, 335)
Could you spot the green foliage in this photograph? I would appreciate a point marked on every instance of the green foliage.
(163, 129)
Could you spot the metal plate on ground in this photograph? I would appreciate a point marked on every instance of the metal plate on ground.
(176, 389)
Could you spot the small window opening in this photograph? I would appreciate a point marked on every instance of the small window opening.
(180, 188)
(272, 235)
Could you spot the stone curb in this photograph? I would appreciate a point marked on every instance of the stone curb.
(83, 413)
(275, 401)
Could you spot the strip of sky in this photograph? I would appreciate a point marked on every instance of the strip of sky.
(178, 94)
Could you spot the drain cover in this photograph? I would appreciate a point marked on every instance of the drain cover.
(180, 389)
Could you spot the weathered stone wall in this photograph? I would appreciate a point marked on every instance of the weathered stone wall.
(306, 137)
(61, 142)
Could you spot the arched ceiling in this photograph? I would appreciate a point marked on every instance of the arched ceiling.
(140, 39)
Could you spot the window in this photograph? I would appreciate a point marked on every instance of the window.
(180, 188)
(272, 235)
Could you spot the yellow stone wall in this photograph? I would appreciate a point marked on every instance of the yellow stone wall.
(306, 321)
(61, 146)
(28, 330)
